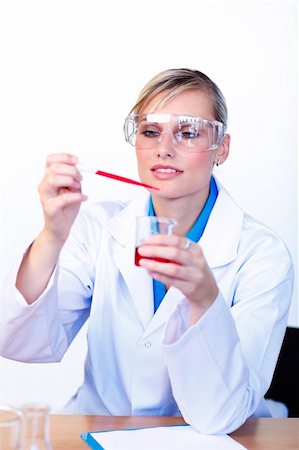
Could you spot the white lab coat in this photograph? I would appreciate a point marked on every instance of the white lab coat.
(214, 373)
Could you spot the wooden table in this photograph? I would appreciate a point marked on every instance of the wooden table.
(255, 434)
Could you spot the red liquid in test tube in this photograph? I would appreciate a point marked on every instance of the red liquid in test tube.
(84, 168)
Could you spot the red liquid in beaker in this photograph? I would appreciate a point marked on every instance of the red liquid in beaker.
(138, 257)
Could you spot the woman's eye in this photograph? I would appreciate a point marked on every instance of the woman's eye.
(148, 130)
(150, 133)
(188, 134)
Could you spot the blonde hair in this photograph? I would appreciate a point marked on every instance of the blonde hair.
(175, 81)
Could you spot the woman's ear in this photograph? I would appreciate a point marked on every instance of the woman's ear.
(223, 150)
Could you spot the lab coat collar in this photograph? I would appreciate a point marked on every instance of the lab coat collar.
(219, 243)
(220, 239)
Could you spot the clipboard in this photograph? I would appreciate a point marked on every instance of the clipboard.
(172, 437)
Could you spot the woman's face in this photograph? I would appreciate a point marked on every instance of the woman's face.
(179, 173)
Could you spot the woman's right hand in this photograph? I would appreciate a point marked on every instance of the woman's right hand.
(60, 195)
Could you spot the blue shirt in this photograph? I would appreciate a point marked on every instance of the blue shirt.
(194, 234)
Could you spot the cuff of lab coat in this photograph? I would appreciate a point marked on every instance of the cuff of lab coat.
(178, 324)
(20, 320)
(14, 301)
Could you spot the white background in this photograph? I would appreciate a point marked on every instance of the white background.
(70, 72)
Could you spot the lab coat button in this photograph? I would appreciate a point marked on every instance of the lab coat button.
(147, 344)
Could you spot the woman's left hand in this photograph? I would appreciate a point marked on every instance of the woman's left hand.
(187, 270)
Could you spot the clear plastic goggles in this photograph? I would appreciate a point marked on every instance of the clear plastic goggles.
(186, 132)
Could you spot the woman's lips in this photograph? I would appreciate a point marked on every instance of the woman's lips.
(165, 172)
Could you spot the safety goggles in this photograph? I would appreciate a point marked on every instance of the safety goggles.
(186, 132)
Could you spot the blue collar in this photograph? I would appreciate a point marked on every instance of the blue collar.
(194, 234)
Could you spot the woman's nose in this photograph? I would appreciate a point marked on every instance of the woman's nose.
(165, 144)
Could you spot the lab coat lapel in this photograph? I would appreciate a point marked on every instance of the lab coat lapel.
(221, 236)
(138, 282)
(166, 308)
(140, 286)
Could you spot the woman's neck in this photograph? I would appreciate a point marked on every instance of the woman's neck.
(183, 210)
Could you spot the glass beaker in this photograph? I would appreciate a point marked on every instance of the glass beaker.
(147, 225)
(10, 427)
(36, 429)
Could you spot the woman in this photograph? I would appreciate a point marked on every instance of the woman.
(198, 337)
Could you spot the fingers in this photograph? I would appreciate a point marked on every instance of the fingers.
(61, 175)
(170, 240)
(60, 194)
(187, 270)
(174, 248)
(172, 270)
(56, 181)
(182, 266)
(65, 158)
(53, 205)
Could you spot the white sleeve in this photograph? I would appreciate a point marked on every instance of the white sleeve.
(221, 367)
(42, 331)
